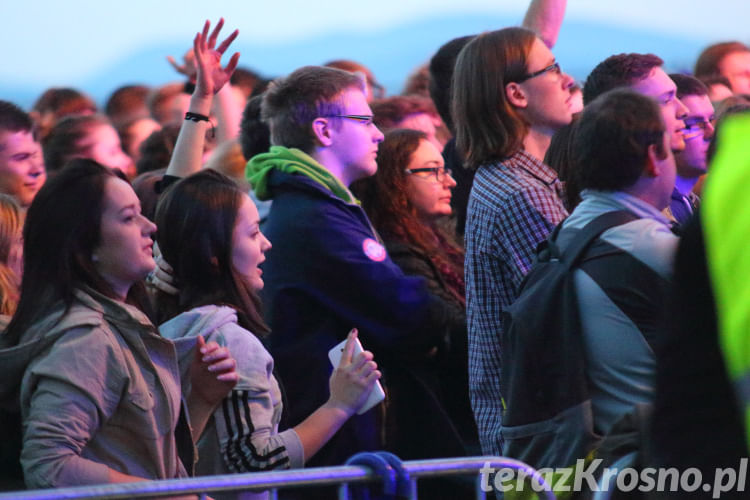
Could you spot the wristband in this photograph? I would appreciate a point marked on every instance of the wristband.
(196, 117)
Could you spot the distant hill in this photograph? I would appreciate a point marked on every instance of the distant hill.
(392, 54)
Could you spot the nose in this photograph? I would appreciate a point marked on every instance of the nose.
(568, 81)
(449, 181)
(708, 133)
(378, 135)
(37, 163)
(266, 243)
(122, 161)
(149, 228)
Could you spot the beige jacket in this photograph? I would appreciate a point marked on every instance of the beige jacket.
(105, 393)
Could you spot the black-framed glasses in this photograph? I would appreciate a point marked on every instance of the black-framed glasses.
(437, 173)
(364, 119)
(698, 126)
(554, 67)
(698, 122)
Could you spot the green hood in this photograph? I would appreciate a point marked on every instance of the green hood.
(291, 161)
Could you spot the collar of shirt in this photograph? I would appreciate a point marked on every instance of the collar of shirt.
(534, 166)
(601, 201)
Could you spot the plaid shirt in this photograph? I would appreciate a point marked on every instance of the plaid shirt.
(513, 206)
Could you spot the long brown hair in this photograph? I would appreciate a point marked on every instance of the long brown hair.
(11, 225)
(197, 217)
(385, 198)
(487, 126)
(61, 232)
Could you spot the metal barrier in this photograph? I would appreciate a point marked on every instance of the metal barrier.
(404, 476)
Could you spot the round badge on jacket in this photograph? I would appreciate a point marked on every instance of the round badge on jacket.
(374, 250)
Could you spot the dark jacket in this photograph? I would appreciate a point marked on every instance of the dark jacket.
(450, 366)
(327, 273)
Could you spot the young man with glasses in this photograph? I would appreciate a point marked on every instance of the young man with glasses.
(691, 162)
(328, 271)
(509, 97)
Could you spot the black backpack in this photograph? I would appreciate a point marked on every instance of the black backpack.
(547, 418)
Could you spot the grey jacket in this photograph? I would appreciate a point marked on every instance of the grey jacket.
(620, 362)
(243, 434)
(99, 389)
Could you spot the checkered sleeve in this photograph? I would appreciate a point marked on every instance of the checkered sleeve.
(500, 245)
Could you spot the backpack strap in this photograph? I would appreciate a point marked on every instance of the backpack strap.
(590, 232)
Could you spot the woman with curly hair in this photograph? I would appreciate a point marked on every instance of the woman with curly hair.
(405, 200)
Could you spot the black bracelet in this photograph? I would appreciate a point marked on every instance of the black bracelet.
(197, 117)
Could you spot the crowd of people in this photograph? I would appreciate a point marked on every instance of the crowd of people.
(176, 266)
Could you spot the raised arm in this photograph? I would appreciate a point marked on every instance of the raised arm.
(545, 18)
(210, 77)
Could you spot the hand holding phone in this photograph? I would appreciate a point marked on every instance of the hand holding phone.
(356, 383)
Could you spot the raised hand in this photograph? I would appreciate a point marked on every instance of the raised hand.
(187, 67)
(210, 76)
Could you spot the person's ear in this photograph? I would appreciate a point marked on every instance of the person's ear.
(653, 161)
(515, 95)
(323, 131)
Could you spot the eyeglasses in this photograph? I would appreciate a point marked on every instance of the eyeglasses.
(437, 173)
(697, 122)
(554, 67)
(364, 119)
(697, 126)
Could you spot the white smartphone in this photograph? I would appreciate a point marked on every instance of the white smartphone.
(377, 394)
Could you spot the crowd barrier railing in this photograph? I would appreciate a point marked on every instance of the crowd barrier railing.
(396, 479)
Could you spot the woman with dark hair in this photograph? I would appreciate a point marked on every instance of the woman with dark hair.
(218, 278)
(404, 200)
(99, 388)
(88, 136)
